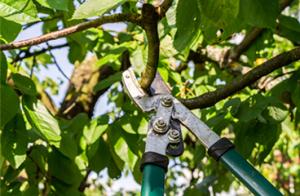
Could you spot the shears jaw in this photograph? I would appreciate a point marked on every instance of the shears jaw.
(135, 92)
(164, 133)
(131, 85)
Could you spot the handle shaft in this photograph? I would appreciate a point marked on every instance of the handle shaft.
(153, 180)
(247, 174)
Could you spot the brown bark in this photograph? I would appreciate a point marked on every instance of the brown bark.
(211, 98)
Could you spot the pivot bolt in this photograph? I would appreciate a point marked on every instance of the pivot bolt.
(160, 126)
(167, 101)
(174, 136)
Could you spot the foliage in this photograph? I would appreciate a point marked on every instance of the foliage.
(52, 150)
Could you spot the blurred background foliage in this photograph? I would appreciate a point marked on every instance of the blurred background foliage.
(54, 149)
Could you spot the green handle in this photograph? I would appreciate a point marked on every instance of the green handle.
(153, 180)
(247, 174)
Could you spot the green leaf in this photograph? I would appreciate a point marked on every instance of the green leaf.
(187, 23)
(265, 40)
(14, 141)
(45, 125)
(21, 11)
(9, 104)
(109, 58)
(39, 154)
(9, 34)
(296, 96)
(289, 27)
(122, 150)
(101, 157)
(253, 132)
(92, 8)
(68, 145)
(138, 126)
(76, 52)
(259, 13)
(55, 4)
(276, 112)
(3, 68)
(108, 81)
(10, 174)
(72, 131)
(95, 130)
(64, 169)
(222, 16)
(251, 108)
(24, 84)
(220, 13)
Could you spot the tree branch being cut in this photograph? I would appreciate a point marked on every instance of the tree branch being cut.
(134, 18)
(150, 20)
(211, 98)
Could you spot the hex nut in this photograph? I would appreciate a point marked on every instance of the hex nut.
(174, 136)
(159, 126)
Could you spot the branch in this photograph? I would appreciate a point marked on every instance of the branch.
(36, 53)
(235, 53)
(150, 19)
(211, 98)
(163, 8)
(134, 18)
(56, 64)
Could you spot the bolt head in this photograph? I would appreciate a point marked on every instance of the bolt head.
(167, 101)
(174, 136)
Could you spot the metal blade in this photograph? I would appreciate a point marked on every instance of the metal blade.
(158, 86)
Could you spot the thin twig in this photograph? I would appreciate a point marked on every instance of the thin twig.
(56, 64)
(36, 53)
(129, 17)
(211, 98)
(32, 66)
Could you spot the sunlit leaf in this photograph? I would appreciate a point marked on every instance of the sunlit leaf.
(44, 123)
(21, 11)
(95, 130)
(55, 4)
(95, 8)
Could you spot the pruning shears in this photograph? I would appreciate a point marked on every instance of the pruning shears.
(164, 138)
